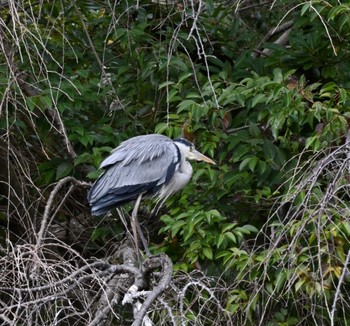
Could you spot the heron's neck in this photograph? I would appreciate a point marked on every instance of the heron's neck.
(183, 149)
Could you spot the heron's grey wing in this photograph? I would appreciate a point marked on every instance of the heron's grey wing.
(139, 148)
(140, 164)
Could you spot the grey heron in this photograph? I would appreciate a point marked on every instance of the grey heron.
(148, 165)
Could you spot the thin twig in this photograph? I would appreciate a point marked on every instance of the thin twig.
(340, 283)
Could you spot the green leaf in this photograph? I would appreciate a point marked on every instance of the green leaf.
(83, 158)
(31, 103)
(230, 236)
(243, 230)
(184, 76)
(208, 252)
(228, 226)
(269, 287)
(173, 96)
(94, 175)
(209, 5)
(254, 130)
(304, 8)
(198, 174)
(63, 170)
(269, 149)
(343, 95)
(299, 284)
(188, 232)
(219, 240)
(280, 280)
(186, 105)
(161, 127)
(346, 226)
(176, 227)
(262, 167)
(47, 101)
(251, 228)
(215, 213)
(313, 142)
(259, 98)
(252, 163)
(165, 84)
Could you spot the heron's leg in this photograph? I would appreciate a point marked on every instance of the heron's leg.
(126, 225)
(143, 239)
(136, 228)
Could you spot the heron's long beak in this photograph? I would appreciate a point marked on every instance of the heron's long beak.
(200, 157)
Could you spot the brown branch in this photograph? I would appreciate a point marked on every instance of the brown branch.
(74, 283)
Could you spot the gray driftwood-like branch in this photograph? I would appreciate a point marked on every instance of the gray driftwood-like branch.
(129, 288)
(163, 263)
(282, 30)
(58, 186)
(115, 287)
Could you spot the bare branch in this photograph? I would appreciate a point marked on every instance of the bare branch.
(284, 28)
(338, 290)
(150, 265)
(111, 296)
(63, 132)
(48, 206)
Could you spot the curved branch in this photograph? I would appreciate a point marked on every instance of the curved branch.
(107, 270)
(43, 228)
(114, 289)
(283, 29)
(163, 262)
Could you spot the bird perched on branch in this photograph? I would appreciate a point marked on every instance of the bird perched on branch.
(152, 165)
(148, 165)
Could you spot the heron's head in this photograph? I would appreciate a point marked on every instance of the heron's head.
(188, 150)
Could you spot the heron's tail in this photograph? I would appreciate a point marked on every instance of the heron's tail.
(103, 202)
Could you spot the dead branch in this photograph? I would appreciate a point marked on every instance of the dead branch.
(45, 219)
(164, 263)
(57, 283)
(283, 29)
(62, 132)
(98, 268)
(118, 284)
